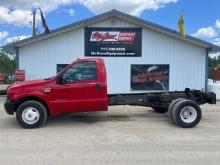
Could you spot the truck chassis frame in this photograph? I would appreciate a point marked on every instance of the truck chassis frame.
(161, 100)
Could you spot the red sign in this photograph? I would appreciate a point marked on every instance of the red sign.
(216, 74)
(19, 75)
(2, 77)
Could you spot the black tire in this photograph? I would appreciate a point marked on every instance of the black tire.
(34, 107)
(160, 109)
(172, 104)
(194, 116)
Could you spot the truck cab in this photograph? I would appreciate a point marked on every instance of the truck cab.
(80, 87)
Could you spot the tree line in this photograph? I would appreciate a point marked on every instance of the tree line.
(7, 64)
(212, 64)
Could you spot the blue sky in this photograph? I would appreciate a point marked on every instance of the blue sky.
(202, 17)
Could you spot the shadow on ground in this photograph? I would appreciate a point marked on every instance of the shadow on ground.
(111, 116)
(104, 117)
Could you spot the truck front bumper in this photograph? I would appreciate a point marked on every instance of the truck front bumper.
(9, 107)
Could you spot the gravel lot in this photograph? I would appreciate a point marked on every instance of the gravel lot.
(124, 135)
(3, 87)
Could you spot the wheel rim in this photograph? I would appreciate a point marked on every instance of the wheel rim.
(188, 114)
(30, 115)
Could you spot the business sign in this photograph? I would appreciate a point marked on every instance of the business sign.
(150, 77)
(115, 42)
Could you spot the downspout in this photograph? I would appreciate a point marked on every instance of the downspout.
(17, 57)
(207, 68)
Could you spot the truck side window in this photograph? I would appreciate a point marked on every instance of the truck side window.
(80, 71)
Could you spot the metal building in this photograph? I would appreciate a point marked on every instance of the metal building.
(139, 55)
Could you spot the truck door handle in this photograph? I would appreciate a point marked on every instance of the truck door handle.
(98, 87)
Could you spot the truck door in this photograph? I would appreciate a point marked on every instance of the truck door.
(80, 90)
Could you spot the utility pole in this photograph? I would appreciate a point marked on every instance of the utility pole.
(34, 28)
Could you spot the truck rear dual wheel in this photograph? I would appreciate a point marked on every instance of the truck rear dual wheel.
(185, 113)
(31, 114)
(172, 104)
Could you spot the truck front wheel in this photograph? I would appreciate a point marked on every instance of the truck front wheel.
(31, 114)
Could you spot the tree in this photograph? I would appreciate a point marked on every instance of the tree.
(212, 64)
(7, 64)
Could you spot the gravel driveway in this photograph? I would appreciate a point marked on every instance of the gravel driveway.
(124, 135)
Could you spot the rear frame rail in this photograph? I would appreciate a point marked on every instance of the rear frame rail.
(162, 100)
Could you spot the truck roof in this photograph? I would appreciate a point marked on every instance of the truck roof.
(91, 59)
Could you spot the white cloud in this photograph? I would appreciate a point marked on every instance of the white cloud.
(71, 12)
(208, 32)
(15, 17)
(214, 55)
(16, 38)
(3, 35)
(216, 41)
(133, 7)
(25, 5)
(18, 12)
(217, 24)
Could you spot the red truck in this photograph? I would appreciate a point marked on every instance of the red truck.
(82, 87)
